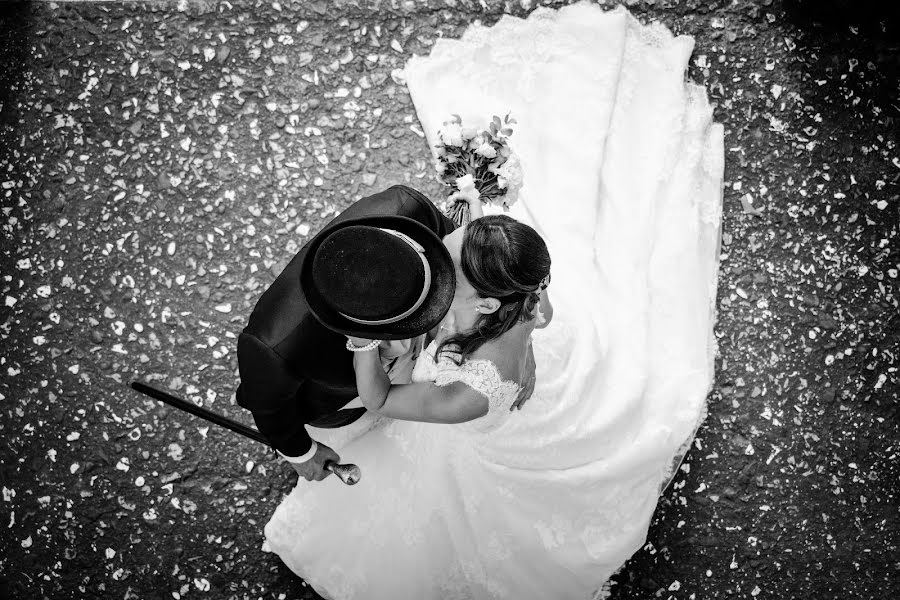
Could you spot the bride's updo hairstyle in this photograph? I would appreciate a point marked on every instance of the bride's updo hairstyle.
(503, 259)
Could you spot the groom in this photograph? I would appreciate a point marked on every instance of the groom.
(378, 271)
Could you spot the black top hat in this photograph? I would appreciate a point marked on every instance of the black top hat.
(381, 277)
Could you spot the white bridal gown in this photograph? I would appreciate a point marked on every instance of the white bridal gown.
(623, 178)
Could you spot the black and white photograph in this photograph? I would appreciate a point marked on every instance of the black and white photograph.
(450, 300)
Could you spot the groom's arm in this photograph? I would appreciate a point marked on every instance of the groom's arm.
(528, 380)
(544, 310)
(269, 392)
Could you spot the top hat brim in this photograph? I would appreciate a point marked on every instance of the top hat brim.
(426, 317)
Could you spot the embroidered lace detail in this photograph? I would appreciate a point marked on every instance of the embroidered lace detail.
(480, 375)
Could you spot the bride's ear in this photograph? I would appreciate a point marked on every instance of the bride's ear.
(487, 306)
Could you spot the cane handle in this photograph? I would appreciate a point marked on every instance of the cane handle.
(349, 474)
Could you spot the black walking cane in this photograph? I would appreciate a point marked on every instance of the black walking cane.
(349, 474)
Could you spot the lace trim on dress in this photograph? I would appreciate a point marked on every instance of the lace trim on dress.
(480, 375)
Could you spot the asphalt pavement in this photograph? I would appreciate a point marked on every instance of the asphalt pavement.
(160, 163)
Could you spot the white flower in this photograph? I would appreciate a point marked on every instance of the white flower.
(451, 135)
(465, 182)
(510, 170)
(509, 178)
(440, 166)
(469, 132)
(486, 150)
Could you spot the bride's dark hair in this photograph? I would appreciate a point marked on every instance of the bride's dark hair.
(503, 259)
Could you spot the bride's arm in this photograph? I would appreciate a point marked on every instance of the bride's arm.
(476, 209)
(454, 403)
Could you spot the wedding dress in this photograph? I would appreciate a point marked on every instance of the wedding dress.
(623, 178)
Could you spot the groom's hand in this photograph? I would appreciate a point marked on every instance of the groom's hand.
(527, 381)
(314, 468)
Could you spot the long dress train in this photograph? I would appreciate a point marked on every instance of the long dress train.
(623, 175)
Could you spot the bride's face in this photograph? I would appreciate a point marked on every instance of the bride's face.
(466, 297)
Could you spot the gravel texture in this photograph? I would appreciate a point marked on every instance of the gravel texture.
(160, 163)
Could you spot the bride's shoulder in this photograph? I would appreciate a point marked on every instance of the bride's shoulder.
(505, 353)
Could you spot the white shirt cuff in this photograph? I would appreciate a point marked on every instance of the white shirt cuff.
(303, 458)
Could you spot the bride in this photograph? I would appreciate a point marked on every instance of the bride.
(477, 359)
(623, 175)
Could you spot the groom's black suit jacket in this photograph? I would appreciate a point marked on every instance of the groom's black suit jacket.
(293, 370)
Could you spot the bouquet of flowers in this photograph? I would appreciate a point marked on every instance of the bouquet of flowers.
(477, 165)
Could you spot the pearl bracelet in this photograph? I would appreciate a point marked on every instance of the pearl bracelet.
(370, 346)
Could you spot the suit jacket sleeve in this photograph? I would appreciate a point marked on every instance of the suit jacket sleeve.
(269, 390)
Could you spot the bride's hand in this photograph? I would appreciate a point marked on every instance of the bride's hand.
(476, 207)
